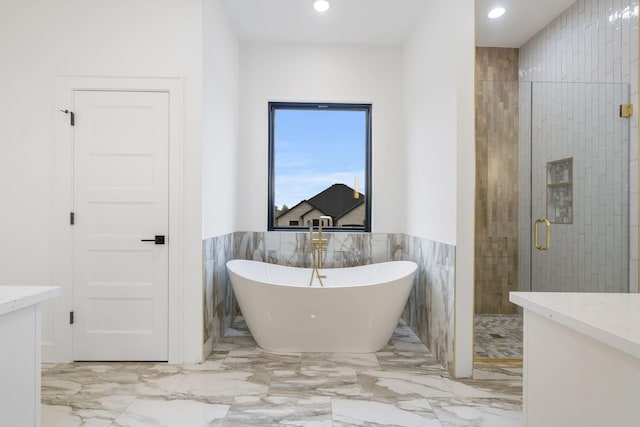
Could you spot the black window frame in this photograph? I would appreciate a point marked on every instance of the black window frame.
(272, 108)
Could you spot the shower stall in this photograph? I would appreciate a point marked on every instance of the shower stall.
(573, 187)
(552, 202)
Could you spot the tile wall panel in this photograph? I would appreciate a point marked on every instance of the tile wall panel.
(496, 228)
(524, 188)
(429, 311)
(594, 41)
(581, 121)
(217, 295)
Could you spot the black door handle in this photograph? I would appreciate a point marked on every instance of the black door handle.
(159, 240)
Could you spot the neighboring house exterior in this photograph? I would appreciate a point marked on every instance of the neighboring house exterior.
(337, 201)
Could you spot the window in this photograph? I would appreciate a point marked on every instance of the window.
(319, 165)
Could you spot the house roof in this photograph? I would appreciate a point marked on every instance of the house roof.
(336, 200)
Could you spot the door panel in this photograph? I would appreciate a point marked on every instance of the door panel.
(580, 183)
(120, 198)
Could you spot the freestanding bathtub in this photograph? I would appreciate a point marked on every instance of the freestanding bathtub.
(356, 311)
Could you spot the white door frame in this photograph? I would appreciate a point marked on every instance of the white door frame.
(61, 348)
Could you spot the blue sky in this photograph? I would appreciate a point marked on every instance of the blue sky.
(315, 149)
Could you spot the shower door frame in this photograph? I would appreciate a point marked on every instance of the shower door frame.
(528, 259)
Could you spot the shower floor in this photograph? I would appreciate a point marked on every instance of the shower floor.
(498, 336)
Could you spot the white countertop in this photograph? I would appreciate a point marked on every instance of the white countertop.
(14, 298)
(613, 319)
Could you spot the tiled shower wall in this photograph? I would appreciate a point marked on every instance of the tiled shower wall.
(581, 122)
(429, 311)
(496, 230)
(594, 41)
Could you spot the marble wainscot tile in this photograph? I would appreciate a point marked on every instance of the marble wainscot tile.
(430, 309)
(224, 299)
(383, 412)
(315, 381)
(396, 247)
(249, 245)
(238, 328)
(235, 341)
(291, 248)
(217, 290)
(459, 412)
(294, 250)
(273, 241)
(311, 411)
(171, 413)
(83, 410)
(379, 248)
(208, 306)
(222, 387)
(351, 249)
(207, 251)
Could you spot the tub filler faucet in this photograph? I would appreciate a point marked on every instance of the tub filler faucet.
(318, 245)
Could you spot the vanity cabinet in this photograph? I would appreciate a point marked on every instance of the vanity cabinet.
(581, 359)
(20, 337)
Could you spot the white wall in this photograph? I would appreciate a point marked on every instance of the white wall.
(220, 134)
(324, 73)
(431, 125)
(440, 157)
(40, 40)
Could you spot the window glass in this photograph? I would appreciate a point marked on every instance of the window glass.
(319, 165)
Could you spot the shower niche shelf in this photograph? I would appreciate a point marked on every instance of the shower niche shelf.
(560, 191)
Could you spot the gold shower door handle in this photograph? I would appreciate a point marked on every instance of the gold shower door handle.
(536, 242)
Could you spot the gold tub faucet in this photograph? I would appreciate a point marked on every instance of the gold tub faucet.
(318, 245)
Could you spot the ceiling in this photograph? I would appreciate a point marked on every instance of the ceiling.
(523, 19)
(346, 21)
(380, 21)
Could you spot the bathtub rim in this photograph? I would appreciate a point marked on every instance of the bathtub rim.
(411, 268)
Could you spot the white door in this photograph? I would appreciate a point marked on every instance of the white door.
(121, 147)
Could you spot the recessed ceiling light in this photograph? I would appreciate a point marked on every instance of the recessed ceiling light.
(321, 5)
(496, 12)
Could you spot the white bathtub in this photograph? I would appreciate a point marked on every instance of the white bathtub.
(356, 311)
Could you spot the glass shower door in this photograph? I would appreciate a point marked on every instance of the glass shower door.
(579, 219)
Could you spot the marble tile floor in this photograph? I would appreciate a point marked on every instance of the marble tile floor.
(243, 385)
(498, 336)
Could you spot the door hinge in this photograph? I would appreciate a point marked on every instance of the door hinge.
(626, 110)
(72, 218)
(72, 117)
(71, 317)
